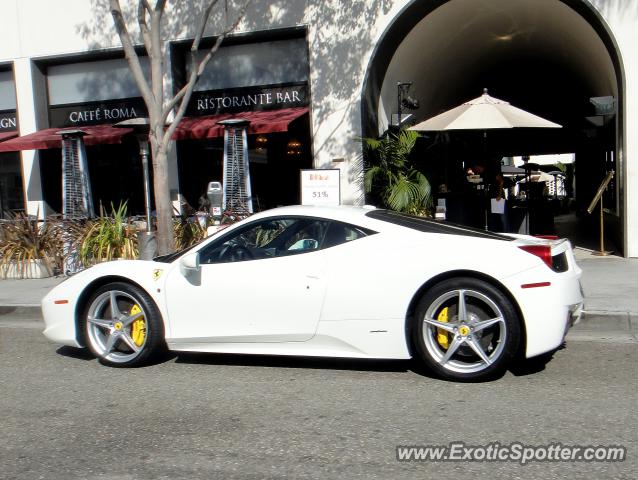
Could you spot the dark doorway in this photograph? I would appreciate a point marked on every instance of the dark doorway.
(275, 163)
(115, 172)
(549, 57)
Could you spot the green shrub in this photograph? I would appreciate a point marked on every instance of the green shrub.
(108, 238)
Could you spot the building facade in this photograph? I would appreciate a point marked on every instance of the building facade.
(335, 71)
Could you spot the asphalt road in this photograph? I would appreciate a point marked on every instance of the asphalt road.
(65, 416)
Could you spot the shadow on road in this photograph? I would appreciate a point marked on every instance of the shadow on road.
(521, 367)
(530, 366)
(86, 355)
(295, 362)
(77, 353)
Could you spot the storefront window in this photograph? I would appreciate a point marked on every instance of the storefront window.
(11, 190)
(96, 93)
(274, 173)
(266, 84)
(115, 172)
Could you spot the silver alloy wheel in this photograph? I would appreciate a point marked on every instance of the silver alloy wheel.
(476, 332)
(109, 324)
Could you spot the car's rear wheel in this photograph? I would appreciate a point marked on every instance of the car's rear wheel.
(123, 326)
(466, 329)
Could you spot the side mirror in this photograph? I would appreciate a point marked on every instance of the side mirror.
(189, 263)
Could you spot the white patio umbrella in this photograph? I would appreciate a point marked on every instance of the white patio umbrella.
(538, 176)
(483, 113)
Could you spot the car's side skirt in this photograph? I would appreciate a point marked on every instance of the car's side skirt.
(347, 339)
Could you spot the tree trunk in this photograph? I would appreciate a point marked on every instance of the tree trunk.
(163, 205)
(152, 91)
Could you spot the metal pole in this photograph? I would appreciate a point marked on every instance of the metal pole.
(143, 142)
(487, 202)
(528, 212)
(599, 198)
(399, 105)
(147, 243)
(602, 252)
(528, 178)
(602, 228)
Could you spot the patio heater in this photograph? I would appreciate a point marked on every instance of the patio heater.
(77, 198)
(147, 243)
(237, 193)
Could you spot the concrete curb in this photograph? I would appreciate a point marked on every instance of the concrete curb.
(605, 320)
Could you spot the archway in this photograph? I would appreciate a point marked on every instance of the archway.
(550, 57)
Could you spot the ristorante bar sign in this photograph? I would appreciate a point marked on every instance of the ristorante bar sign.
(248, 99)
(96, 113)
(8, 121)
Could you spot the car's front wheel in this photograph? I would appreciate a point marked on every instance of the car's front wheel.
(466, 329)
(123, 326)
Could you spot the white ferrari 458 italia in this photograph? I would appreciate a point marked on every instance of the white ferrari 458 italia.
(332, 282)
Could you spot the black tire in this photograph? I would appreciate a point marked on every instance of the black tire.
(128, 337)
(452, 347)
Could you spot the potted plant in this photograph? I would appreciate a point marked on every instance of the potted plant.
(108, 238)
(28, 247)
(392, 178)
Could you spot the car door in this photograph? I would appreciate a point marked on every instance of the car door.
(262, 283)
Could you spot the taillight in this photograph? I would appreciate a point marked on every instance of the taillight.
(544, 252)
(547, 237)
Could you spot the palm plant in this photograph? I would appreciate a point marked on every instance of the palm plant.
(388, 173)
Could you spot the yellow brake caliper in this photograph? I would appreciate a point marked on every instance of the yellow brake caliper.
(138, 327)
(442, 335)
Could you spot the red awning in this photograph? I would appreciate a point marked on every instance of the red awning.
(50, 138)
(267, 121)
(7, 135)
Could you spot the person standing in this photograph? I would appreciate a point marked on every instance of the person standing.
(498, 206)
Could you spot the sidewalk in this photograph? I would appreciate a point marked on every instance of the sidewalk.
(611, 294)
(23, 296)
(610, 285)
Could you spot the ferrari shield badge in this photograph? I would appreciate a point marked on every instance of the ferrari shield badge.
(157, 273)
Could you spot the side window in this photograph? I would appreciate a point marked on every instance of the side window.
(278, 238)
(267, 239)
(339, 233)
(251, 242)
(308, 235)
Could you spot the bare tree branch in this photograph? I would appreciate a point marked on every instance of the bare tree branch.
(159, 6)
(202, 24)
(194, 47)
(197, 70)
(143, 8)
(157, 62)
(129, 51)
